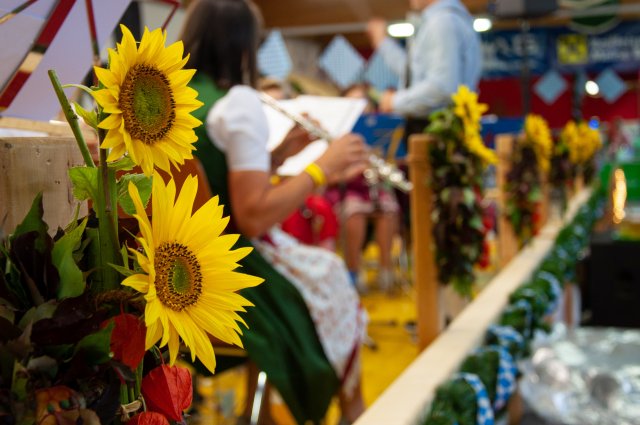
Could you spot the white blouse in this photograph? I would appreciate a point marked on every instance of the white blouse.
(237, 125)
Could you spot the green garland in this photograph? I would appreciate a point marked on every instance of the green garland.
(485, 365)
(457, 185)
(454, 403)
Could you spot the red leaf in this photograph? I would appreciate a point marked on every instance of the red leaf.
(128, 339)
(148, 418)
(168, 390)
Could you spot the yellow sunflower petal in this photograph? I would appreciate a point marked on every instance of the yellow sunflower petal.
(174, 345)
(154, 333)
(112, 121)
(139, 282)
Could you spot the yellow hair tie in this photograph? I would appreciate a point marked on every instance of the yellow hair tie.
(317, 174)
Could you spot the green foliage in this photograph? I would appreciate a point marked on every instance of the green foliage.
(454, 402)
(523, 189)
(89, 117)
(50, 327)
(33, 222)
(72, 282)
(123, 164)
(85, 182)
(142, 182)
(485, 364)
(458, 227)
(94, 348)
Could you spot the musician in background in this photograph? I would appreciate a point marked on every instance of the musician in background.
(444, 53)
(306, 328)
(360, 202)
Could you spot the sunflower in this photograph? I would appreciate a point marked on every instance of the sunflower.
(477, 147)
(467, 108)
(189, 280)
(148, 101)
(538, 135)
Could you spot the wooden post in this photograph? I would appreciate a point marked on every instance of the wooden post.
(37, 164)
(424, 265)
(508, 245)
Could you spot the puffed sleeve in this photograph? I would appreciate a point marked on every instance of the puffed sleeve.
(237, 125)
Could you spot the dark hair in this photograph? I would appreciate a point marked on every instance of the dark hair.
(222, 38)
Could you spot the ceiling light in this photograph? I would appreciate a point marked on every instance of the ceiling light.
(482, 24)
(400, 30)
(592, 88)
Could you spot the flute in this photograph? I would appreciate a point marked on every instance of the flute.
(379, 167)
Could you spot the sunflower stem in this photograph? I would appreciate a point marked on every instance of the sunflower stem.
(138, 387)
(124, 393)
(109, 252)
(72, 119)
(110, 200)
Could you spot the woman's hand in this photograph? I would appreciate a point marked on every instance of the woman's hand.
(345, 158)
(296, 140)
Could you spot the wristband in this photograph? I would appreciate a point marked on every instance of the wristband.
(317, 174)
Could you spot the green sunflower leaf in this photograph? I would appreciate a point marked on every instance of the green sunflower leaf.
(33, 222)
(96, 347)
(144, 185)
(122, 270)
(72, 282)
(123, 164)
(85, 182)
(89, 117)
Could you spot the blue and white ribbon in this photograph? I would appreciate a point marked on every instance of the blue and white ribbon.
(506, 381)
(484, 415)
(506, 336)
(556, 290)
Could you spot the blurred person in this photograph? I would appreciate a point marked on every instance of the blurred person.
(313, 222)
(306, 328)
(362, 202)
(444, 54)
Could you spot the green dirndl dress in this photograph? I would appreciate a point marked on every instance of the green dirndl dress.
(281, 338)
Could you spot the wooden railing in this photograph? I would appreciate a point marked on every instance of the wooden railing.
(406, 400)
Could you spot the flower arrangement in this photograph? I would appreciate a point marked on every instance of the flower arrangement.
(561, 172)
(531, 162)
(583, 142)
(538, 137)
(95, 318)
(458, 158)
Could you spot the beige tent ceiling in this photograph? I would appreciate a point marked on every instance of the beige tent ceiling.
(323, 18)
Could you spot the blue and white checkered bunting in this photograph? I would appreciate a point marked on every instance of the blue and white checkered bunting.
(550, 87)
(506, 382)
(273, 57)
(506, 335)
(342, 63)
(485, 413)
(611, 86)
(379, 74)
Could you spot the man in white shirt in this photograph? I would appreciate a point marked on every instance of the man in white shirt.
(444, 53)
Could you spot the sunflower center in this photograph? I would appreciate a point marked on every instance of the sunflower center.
(178, 276)
(147, 104)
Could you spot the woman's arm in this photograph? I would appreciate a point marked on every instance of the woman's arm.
(238, 126)
(258, 205)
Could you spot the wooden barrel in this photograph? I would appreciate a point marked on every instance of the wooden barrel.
(29, 165)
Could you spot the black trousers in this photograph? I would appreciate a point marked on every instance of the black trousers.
(414, 125)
